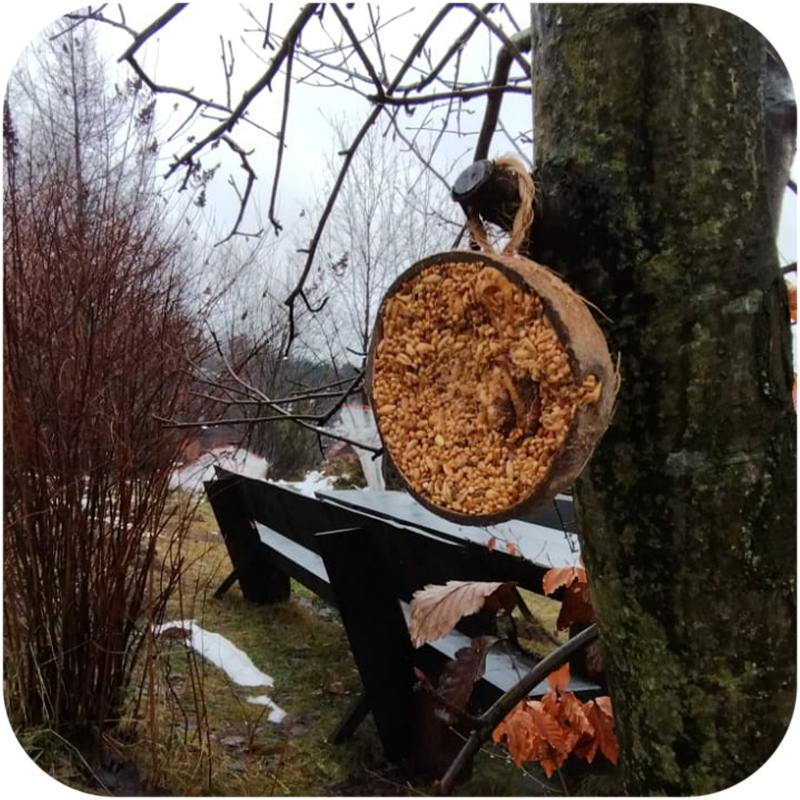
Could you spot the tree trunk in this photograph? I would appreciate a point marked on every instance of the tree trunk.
(651, 162)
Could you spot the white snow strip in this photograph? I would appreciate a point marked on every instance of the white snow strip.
(222, 653)
(357, 423)
(190, 477)
(225, 655)
(276, 714)
(313, 482)
(229, 658)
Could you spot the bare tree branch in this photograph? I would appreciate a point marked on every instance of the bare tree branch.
(520, 41)
(130, 56)
(187, 159)
(288, 415)
(298, 292)
(455, 49)
(360, 50)
(281, 143)
(458, 94)
(251, 178)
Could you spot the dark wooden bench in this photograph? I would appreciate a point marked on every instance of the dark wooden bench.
(366, 553)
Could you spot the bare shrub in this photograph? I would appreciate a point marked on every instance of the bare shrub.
(96, 333)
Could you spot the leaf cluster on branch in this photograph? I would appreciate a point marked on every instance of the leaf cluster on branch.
(546, 731)
(559, 725)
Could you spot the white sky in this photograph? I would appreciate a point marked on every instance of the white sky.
(309, 139)
(23, 21)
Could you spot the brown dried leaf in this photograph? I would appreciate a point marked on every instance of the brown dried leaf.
(576, 607)
(602, 718)
(574, 719)
(559, 678)
(547, 724)
(460, 675)
(561, 576)
(522, 736)
(436, 609)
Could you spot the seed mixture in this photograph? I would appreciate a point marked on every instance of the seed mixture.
(472, 389)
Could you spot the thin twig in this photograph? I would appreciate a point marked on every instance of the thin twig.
(218, 423)
(459, 94)
(298, 291)
(455, 49)
(283, 412)
(187, 159)
(359, 49)
(130, 56)
(251, 179)
(281, 143)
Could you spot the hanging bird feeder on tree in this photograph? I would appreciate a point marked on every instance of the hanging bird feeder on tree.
(490, 381)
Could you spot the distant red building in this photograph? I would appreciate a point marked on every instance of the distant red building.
(210, 438)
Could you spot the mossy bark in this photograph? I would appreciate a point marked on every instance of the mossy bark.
(651, 165)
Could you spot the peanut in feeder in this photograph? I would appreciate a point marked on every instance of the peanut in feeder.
(490, 381)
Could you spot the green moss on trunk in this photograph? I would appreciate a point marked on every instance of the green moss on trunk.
(650, 151)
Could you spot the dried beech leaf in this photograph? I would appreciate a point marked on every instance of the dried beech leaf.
(523, 740)
(559, 678)
(561, 576)
(549, 766)
(547, 725)
(576, 607)
(576, 724)
(602, 719)
(549, 730)
(461, 674)
(436, 609)
(505, 597)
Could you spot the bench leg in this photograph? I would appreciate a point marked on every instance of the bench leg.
(376, 629)
(226, 584)
(351, 720)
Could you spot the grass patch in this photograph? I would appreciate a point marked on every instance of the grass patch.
(225, 745)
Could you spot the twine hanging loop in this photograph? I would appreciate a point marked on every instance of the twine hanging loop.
(523, 219)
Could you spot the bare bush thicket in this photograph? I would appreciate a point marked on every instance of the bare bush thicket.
(95, 336)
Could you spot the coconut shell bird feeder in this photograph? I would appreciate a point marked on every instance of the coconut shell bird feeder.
(490, 381)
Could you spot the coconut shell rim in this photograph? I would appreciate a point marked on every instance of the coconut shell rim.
(548, 488)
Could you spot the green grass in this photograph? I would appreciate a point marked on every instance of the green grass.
(224, 745)
(302, 645)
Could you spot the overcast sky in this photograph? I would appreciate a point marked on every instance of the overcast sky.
(187, 55)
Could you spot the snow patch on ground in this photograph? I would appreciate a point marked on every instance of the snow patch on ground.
(191, 476)
(229, 658)
(276, 714)
(313, 482)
